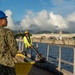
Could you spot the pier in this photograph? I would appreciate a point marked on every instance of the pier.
(69, 42)
(64, 36)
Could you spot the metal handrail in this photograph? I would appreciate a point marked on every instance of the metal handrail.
(66, 62)
(59, 59)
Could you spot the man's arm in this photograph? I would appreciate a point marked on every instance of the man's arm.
(11, 41)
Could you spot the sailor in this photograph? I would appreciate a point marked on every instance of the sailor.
(27, 41)
(8, 47)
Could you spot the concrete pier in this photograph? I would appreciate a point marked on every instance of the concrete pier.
(70, 42)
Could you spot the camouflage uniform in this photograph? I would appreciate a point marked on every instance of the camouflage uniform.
(8, 48)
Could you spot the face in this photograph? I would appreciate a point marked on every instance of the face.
(3, 22)
(26, 34)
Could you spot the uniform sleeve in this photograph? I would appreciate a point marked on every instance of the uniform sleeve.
(12, 42)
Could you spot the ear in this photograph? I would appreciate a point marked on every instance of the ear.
(1, 21)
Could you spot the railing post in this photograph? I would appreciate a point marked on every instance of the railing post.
(74, 62)
(37, 45)
(59, 63)
(19, 45)
(22, 46)
(47, 53)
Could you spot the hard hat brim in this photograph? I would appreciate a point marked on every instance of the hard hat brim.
(3, 17)
(26, 33)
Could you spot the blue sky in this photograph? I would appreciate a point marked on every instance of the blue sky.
(19, 7)
(36, 12)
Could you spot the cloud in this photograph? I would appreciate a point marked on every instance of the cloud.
(62, 2)
(55, 2)
(71, 22)
(71, 17)
(10, 21)
(42, 20)
(63, 7)
(11, 24)
(57, 20)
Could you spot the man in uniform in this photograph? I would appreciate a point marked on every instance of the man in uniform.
(8, 47)
(27, 41)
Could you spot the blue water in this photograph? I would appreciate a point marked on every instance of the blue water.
(67, 54)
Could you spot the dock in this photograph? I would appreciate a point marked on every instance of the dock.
(68, 42)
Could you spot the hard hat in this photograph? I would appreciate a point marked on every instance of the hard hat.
(20, 55)
(2, 15)
(26, 32)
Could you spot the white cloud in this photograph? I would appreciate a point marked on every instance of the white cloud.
(57, 20)
(42, 20)
(10, 20)
(55, 2)
(71, 17)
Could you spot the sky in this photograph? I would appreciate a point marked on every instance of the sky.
(40, 14)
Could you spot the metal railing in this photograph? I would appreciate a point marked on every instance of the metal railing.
(65, 72)
(59, 59)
